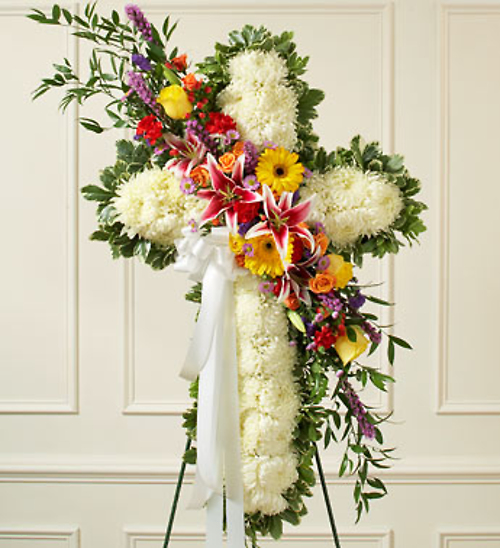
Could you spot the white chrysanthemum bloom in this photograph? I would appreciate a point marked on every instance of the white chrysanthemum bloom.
(152, 205)
(269, 400)
(265, 478)
(260, 100)
(352, 203)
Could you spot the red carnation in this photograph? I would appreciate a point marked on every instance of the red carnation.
(220, 123)
(246, 212)
(149, 128)
(324, 338)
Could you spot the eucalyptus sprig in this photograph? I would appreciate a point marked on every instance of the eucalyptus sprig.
(114, 42)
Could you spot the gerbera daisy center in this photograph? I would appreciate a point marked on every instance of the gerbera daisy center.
(280, 171)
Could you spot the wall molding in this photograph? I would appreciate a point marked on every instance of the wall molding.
(447, 538)
(69, 404)
(69, 537)
(416, 473)
(384, 539)
(445, 405)
(384, 10)
(132, 405)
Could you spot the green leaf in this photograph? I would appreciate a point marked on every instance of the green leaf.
(343, 465)
(91, 125)
(377, 484)
(400, 342)
(290, 517)
(357, 491)
(56, 12)
(142, 248)
(395, 163)
(99, 236)
(96, 193)
(373, 347)
(276, 527)
(374, 495)
(351, 334)
(108, 214)
(67, 16)
(376, 300)
(296, 320)
(391, 351)
(171, 76)
(307, 104)
(190, 456)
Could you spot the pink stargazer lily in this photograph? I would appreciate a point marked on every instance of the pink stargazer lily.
(282, 220)
(296, 278)
(226, 192)
(191, 153)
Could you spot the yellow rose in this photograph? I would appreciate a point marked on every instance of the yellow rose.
(175, 102)
(348, 350)
(341, 270)
(236, 243)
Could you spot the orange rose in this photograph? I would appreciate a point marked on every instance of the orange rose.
(239, 148)
(324, 282)
(292, 302)
(200, 176)
(190, 82)
(322, 241)
(240, 260)
(226, 162)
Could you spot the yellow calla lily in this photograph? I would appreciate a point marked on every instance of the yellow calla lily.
(349, 350)
(175, 102)
(341, 269)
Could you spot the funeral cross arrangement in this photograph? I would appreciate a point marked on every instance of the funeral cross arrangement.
(225, 179)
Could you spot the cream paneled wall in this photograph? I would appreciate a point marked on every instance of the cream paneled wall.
(90, 401)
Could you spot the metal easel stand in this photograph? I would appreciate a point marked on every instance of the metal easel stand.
(180, 479)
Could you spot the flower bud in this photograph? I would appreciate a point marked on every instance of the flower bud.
(175, 102)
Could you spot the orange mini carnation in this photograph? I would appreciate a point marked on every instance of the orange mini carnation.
(322, 241)
(200, 176)
(323, 282)
(239, 148)
(227, 161)
(190, 82)
(292, 302)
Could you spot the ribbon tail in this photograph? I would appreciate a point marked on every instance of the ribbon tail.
(215, 518)
(210, 415)
(204, 330)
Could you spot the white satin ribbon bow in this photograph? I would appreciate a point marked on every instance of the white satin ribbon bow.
(212, 357)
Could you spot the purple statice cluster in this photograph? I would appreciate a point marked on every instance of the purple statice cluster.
(137, 84)
(357, 300)
(139, 20)
(196, 128)
(141, 62)
(373, 333)
(357, 408)
(332, 302)
(243, 228)
(251, 156)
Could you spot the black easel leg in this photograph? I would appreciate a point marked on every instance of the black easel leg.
(176, 497)
(327, 499)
